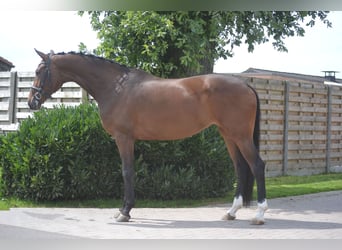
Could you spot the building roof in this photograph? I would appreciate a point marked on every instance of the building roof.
(5, 65)
(269, 74)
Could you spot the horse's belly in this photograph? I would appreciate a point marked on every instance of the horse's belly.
(170, 125)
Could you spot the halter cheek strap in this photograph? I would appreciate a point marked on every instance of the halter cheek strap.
(40, 92)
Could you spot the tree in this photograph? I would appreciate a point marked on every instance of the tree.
(176, 44)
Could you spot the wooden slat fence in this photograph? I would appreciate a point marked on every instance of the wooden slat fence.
(69, 95)
(301, 130)
(335, 132)
(14, 90)
(301, 123)
(4, 97)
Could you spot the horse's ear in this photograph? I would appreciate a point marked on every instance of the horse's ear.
(52, 52)
(42, 55)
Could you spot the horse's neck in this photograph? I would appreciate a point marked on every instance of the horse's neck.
(102, 82)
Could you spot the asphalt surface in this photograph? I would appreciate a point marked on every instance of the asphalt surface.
(316, 216)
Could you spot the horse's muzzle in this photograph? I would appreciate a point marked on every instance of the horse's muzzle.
(34, 104)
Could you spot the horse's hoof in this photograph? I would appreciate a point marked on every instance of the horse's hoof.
(228, 217)
(119, 217)
(256, 221)
(116, 215)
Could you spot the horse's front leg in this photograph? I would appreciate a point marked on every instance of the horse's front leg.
(126, 149)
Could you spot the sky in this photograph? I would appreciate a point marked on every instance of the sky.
(62, 31)
(320, 49)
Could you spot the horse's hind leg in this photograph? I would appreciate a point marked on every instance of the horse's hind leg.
(257, 167)
(245, 180)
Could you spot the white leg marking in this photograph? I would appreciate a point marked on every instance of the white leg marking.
(259, 217)
(237, 204)
(119, 217)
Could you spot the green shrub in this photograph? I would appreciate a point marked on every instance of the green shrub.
(196, 167)
(60, 154)
(64, 153)
(1, 183)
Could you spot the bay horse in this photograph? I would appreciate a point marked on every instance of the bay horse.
(135, 105)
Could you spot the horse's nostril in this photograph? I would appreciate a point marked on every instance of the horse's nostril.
(30, 104)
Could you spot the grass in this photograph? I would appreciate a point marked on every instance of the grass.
(276, 187)
(298, 185)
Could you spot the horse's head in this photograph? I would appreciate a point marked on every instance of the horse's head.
(44, 84)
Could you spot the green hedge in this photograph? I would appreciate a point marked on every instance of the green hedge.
(64, 153)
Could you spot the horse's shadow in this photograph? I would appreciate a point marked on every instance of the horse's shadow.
(236, 224)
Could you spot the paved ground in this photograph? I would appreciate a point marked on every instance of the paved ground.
(317, 216)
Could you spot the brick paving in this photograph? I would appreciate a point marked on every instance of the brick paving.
(316, 216)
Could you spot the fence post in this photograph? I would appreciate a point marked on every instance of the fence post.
(85, 98)
(328, 143)
(286, 126)
(13, 96)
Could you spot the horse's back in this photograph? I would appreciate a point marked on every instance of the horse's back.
(214, 83)
(166, 109)
(220, 89)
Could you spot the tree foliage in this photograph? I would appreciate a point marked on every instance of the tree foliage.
(174, 44)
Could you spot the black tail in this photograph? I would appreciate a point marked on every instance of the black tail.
(246, 173)
(246, 181)
(256, 133)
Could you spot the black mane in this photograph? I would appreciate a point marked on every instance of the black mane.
(94, 57)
